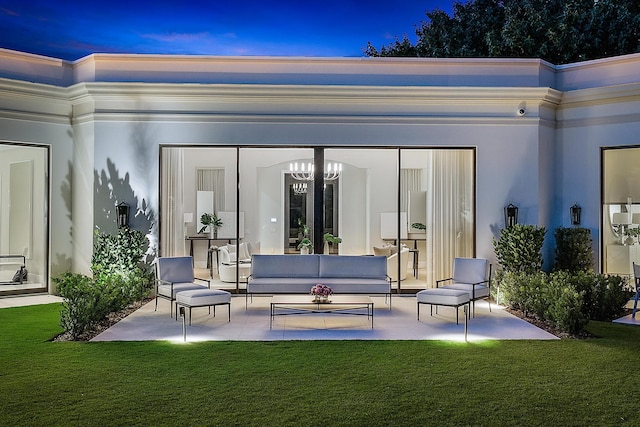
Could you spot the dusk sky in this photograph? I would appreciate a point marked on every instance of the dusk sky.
(330, 28)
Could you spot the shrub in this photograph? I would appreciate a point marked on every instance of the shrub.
(519, 248)
(523, 291)
(86, 302)
(119, 279)
(565, 308)
(121, 255)
(568, 300)
(117, 253)
(604, 296)
(573, 249)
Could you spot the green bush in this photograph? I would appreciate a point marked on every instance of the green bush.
(565, 308)
(118, 260)
(523, 291)
(86, 302)
(519, 248)
(568, 300)
(573, 249)
(118, 253)
(119, 279)
(604, 296)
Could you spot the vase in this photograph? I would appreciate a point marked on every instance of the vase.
(321, 298)
(213, 234)
(304, 250)
(326, 248)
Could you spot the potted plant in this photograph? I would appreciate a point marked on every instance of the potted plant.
(330, 239)
(213, 222)
(305, 246)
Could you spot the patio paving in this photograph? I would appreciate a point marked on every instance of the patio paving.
(253, 324)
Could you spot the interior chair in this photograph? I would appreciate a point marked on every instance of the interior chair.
(636, 279)
(392, 264)
(175, 274)
(472, 275)
(232, 256)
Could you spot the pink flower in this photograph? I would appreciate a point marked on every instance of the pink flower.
(320, 289)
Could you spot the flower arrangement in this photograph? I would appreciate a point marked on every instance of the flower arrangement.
(321, 292)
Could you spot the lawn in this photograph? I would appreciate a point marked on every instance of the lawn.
(351, 383)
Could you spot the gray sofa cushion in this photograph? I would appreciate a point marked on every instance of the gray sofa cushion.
(353, 266)
(297, 266)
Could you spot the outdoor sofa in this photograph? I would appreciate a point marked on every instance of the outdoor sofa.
(296, 274)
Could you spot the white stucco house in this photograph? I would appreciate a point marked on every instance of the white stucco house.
(443, 142)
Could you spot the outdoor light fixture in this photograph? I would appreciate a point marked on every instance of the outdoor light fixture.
(575, 212)
(510, 215)
(123, 215)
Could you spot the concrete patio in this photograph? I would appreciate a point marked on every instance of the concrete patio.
(252, 324)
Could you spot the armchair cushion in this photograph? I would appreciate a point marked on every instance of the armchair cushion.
(175, 269)
(470, 270)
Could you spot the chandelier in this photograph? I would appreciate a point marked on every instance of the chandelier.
(332, 171)
(299, 188)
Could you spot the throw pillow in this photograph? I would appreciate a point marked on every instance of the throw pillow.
(382, 250)
(243, 252)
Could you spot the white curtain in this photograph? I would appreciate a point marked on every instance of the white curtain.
(172, 203)
(212, 180)
(449, 210)
(411, 180)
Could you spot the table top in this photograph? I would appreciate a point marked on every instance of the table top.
(333, 299)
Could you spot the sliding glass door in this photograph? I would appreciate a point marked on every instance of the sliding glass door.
(24, 204)
(346, 201)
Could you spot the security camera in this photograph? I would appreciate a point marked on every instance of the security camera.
(522, 111)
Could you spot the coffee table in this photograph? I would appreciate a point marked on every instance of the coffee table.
(353, 305)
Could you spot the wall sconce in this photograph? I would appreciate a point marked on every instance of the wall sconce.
(123, 215)
(575, 212)
(510, 215)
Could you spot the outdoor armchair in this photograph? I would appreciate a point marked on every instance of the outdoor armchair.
(472, 275)
(175, 274)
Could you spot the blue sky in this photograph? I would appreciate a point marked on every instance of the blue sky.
(73, 29)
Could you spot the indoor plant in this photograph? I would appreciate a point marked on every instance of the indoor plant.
(330, 239)
(212, 221)
(305, 246)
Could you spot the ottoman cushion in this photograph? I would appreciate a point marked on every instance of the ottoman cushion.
(440, 296)
(203, 297)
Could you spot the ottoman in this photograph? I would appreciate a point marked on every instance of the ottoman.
(203, 298)
(442, 296)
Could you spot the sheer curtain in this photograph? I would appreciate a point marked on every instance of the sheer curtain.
(449, 210)
(172, 203)
(212, 180)
(411, 180)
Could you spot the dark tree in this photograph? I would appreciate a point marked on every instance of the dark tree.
(559, 31)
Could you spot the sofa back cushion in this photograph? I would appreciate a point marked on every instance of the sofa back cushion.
(263, 265)
(365, 267)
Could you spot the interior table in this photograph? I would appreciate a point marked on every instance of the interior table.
(353, 305)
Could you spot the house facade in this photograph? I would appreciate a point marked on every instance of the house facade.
(77, 138)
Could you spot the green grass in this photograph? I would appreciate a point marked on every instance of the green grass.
(352, 383)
